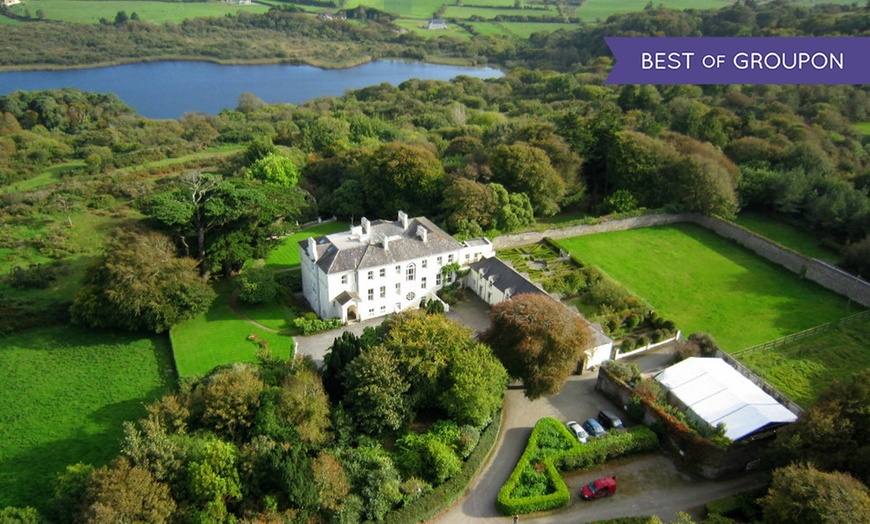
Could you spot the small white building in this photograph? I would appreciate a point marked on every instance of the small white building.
(381, 267)
(495, 281)
(436, 24)
(712, 391)
(11, 2)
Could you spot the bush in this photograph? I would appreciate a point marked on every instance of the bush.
(633, 320)
(706, 343)
(627, 373)
(627, 345)
(657, 336)
(315, 325)
(291, 280)
(521, 493)
(257, 284)
(37, 276)
(642, 341)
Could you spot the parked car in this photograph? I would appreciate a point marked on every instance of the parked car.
(578, 431)
(593, 427)
(609, 420)
(603, 487)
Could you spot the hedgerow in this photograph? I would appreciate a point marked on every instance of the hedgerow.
(552, 448)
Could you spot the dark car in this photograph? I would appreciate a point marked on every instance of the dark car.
(593, 427)
(609, 420)
(603, 487)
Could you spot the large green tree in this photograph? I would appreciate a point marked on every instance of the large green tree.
(140, 284)
(538, 340)
(527, 169)
(406, 177)
(122, 492)
(376, 391)
(804, 494)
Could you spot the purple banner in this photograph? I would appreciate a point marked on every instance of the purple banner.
(740, 60)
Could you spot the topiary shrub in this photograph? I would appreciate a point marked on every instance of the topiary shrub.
(657, 336)
(642, 341)
(626, 345)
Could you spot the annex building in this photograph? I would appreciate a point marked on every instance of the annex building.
(381, 267)
(712, 391)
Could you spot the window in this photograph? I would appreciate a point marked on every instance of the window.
(371, 294)
(449, 259)
(438, 279)
(398, 270)
(398, 288)
(383, 291)
(371, 275)
(382, 273)
(344, 279)
(424, 263)
(423, 283)
(411, 272)
(440, 261)
(467, 256)
(372, 312)
(383, 309)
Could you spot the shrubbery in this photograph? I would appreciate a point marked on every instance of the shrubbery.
(310, 325)
(257, 284)
(551, 446)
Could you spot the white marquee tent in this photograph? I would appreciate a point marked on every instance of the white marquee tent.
(714, 392)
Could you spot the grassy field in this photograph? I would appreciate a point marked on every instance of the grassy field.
(90, 11)
(594, 10)
(863, 127)
(220, 336)
(706, 283)
(287, 254)
(801, 369)
(65, 394)
(787, 235)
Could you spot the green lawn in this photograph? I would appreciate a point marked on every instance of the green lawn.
(65, 393)
(220, 336)
(707, 283)
(792, 237)
(863, 127)
(287, 254)
(802, 369)
(594, 10)
(90, 11)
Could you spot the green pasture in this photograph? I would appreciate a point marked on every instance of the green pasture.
(10, 21)
(802, 369)
(90, 11)
(792, 237)
(594, 10)
(65, 393)
(219, 336)
(412, 8)
(418, 26)
(707, 283)
(287, 254)
(463, 12)
(526, 29)
(863, 127)
(49, 177)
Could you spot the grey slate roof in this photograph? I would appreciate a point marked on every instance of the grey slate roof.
(505, 277)
(340, 252)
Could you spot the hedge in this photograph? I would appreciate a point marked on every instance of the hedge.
(446, 494)
(578, 456)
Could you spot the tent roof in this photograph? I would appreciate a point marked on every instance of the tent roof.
(715, 392)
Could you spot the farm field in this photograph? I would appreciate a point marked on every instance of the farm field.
(219, 336)
(90, 11)
(706, 283)
(787, 235)
(595, 10)
(287, 254)
(803, 368)
(65, 393)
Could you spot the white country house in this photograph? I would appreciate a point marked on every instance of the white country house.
(381, 267)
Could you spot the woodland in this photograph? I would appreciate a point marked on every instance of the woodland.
(199, 197)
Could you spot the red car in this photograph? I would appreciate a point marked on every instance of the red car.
(596, 489)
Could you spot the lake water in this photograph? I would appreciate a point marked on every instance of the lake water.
(170, 89)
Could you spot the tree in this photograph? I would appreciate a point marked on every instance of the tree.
(275, 168)
(527, 169)
(213, 480)
(343, 350)
(856, 257)
(402, 177)
(13, 515)
(303, 402)
(804, 494)
(122, 492)
(538, 340)
(475, 386)
(332, 484)
(257, 284)
(139, 284)
(230, 398)
(375, 478)
(376, 391)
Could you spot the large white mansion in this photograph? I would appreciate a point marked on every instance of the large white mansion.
(381, 267)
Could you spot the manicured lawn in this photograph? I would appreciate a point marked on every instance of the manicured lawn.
(792, 237)
(287, 254)
(65, 393)
(803, 368)
(706, 283)
(90, 11)
(219, 336)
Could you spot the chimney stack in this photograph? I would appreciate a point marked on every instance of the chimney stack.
(312, 249)
(422, 232)
(366, 227)
(403, 218)
(386, 242)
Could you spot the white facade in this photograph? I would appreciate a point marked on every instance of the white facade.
(381, 267)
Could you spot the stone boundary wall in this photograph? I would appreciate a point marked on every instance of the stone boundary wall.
(616, 355)
(822, 273)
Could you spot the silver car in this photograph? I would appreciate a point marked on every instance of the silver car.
(578, 431)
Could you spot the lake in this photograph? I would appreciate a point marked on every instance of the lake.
(170, 89)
